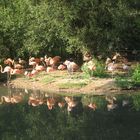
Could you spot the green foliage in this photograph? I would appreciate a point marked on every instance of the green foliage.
(136, 76)
(48, 79)
(99, 69)
(38, 27)
(124, 83)
(130, 82)
(72, 85)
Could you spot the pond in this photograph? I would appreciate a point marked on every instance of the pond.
(38, 115)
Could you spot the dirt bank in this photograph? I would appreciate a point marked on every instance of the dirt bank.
(53, 82)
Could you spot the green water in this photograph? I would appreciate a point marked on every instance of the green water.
(22, 121)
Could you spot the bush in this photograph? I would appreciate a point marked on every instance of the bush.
(99, 70)
(129, 82)
(124, 83)
(136, 76)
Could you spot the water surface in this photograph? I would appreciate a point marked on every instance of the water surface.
(68, 117)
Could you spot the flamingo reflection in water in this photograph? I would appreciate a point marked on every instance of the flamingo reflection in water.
(92, 106)
(35, 101)
(12, 99)
(74, 105)
(51, 102)
(61, 104)
(70, 102)
(111, 103)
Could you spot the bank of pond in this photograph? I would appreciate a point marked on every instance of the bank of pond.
(33, 114)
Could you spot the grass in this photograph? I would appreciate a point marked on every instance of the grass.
(72, 85)
(47, 79)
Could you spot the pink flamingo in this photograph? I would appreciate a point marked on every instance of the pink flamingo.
(11, 71)
(49, 69)
(6, 69)
(36, 60)
(39, 68)
(52, 61)
(30, 74)
(9, 62)
(62, 67)
(71, 66)
(18, 66)
(16, 71)
(32, 63)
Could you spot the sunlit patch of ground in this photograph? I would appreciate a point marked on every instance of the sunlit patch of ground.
(61, 81)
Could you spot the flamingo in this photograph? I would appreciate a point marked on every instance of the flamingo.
(108, 61)
(116, 57)
(111, 68)
(92, 67)
(33, 59)
(6, 69)
(47, 60)
(34, 72)
(30, 74)
(39, 68)
(9, 61)
(71, 66)
(42, 61)
(49, 69)
(32, 63)
(52, 61)
(126, 67)
(11, 71)
(18, 66)
(21, 61)
(62, 67)
(87, 57)
(16, 71)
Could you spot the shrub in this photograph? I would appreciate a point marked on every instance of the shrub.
(124, 83)
(136, 75)
(129, 82)
(99, 70)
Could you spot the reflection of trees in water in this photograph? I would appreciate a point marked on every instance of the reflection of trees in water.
(78, 121)
(21, 121)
